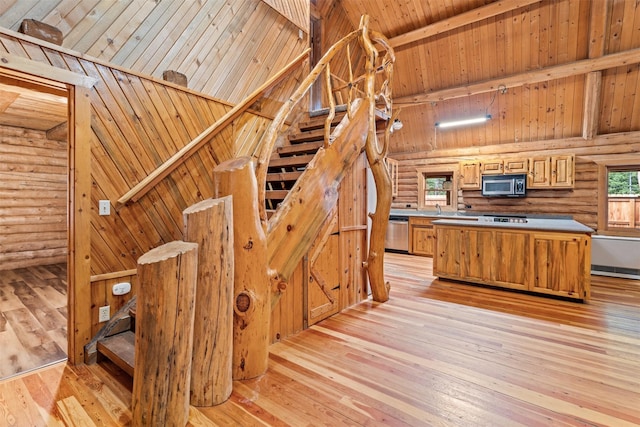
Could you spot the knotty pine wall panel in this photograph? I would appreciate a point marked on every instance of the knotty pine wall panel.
(137, 124)
(33, 199)
(226, 49)
(102, 294)
(296, 11)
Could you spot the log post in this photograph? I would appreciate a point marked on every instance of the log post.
(252, 309)
(210, 225)
(164, 335)
(376, 156)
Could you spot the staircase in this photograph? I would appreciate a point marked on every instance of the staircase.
(291, 160)
(291, 230)
(116, 340)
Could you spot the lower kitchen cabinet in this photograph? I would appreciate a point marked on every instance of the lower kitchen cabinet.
(544, 262)
(421, 236)
(561, 264)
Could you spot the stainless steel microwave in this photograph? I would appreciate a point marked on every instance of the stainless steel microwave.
(514, 185)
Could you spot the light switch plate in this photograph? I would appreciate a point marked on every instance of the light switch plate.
(105, 207)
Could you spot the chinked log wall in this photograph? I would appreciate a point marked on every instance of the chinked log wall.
(33, 199)
(581, 202)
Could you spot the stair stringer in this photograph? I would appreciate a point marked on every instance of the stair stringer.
(293, 228)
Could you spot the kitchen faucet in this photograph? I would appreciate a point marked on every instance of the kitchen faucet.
(438, 208)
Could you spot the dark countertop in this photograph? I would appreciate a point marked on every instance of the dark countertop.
(540, 224)
(556, 223)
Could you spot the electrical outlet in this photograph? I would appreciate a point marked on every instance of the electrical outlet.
(104, 313)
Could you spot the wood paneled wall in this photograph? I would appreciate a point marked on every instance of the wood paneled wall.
(296, 11)
(137, 124)
(226, 49)
(102, 294)
(33, 199)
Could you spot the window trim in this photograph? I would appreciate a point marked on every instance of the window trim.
(603, 198)
(438, 169)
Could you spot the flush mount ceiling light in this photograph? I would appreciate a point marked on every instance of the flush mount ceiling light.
(463, 122)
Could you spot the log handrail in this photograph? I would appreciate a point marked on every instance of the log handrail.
(271, 135)
(291, 229)
(170, 165)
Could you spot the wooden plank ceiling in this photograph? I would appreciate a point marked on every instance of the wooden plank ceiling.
(225, 48)
(22, 106)
(454, 56)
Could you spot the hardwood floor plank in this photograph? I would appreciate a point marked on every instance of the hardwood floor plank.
(48, 317)
(437, 353)
(73, 413)
(13, 357)
(33, 304)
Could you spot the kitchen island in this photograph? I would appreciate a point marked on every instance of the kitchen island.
(547, 256)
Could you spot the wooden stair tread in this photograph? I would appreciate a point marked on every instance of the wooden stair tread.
(290, 161)
(120, 350)
(276, 194)
(309, 136)
(302, 148)
(319, 122)
(283, 176)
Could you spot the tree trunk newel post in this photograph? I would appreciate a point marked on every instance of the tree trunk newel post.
(164, 335)
(252, 292)
(375, 156)
(210, 224)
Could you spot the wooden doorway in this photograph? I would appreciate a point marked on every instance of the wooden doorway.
(34, 222)
(23, 73)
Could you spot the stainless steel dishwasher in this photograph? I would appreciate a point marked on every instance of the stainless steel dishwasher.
(397, 237)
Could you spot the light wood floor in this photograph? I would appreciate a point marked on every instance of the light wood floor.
(438, 353)
(33, 318)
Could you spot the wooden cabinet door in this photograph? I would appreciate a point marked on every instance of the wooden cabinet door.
(423, 240)
(562, 171)
(492, 167)
(469, 175)
(560, 265)
(323, 274)
(511, 250)
(516, 166)
(446, 261)
(539, 172)
(478, 255)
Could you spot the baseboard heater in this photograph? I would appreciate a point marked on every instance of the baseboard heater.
(615, 256)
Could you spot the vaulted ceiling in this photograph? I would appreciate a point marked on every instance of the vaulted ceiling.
(527, 63)
(543, 69)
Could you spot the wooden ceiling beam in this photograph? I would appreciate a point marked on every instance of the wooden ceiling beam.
(469, 17)
(599, 15)
(555, 72)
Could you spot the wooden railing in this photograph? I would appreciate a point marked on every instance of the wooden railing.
(304, 209)
(162, 171)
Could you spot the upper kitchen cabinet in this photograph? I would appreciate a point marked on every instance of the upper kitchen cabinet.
(470, 175)
(562, 171)
(518, 165)
(551, 172)
(492, 167)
